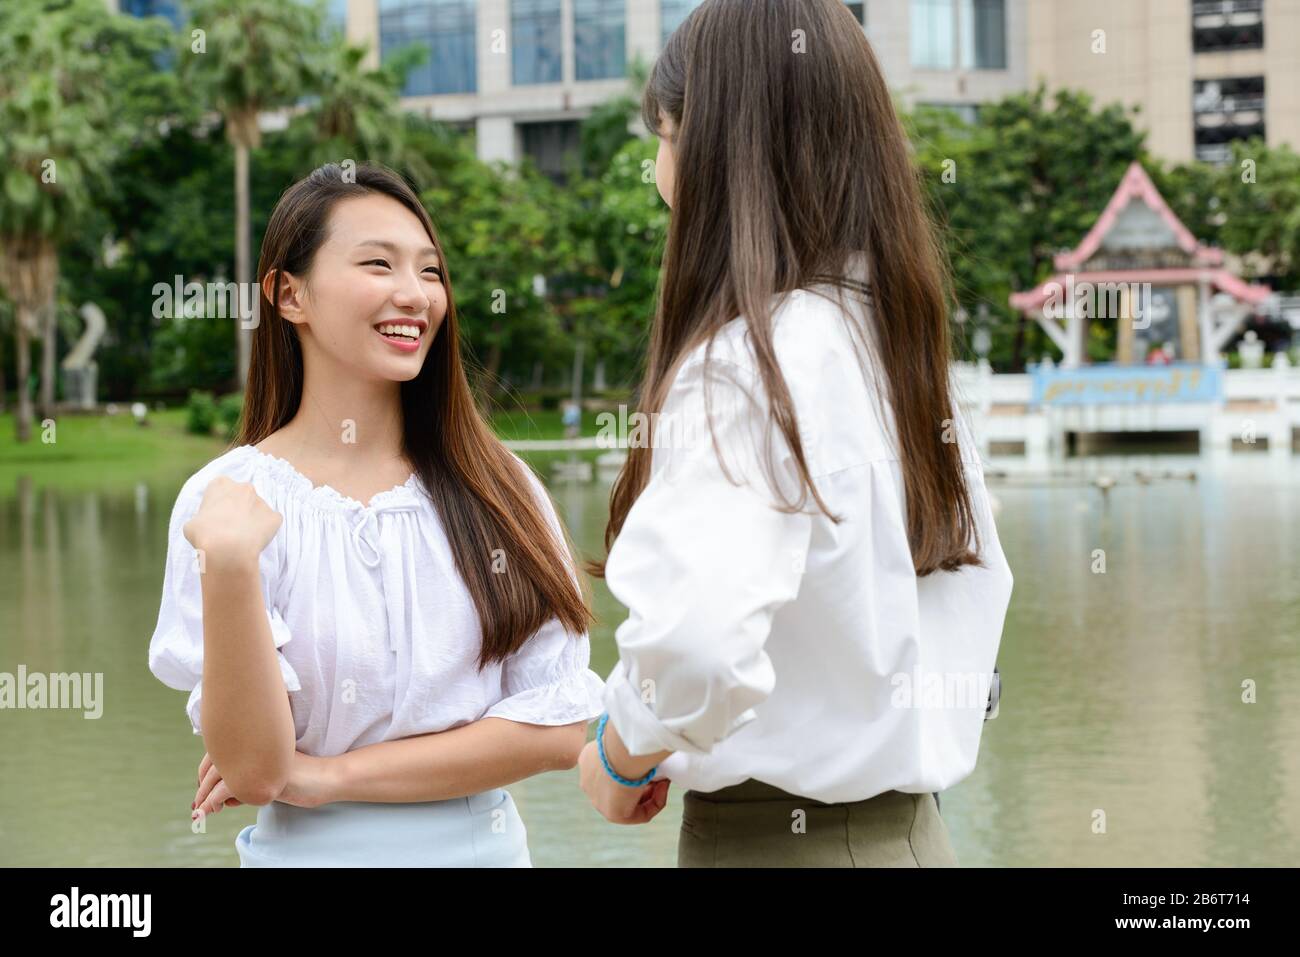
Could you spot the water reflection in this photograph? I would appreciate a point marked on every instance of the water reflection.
(1122, 700)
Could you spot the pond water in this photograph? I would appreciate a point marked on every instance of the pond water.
(1122, 690)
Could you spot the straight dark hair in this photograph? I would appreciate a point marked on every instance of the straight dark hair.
(789, 156)
(519, 574)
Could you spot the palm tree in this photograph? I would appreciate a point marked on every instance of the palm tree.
(360, 108)
(244, 57)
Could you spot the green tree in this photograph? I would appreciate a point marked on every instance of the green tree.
(77, 87)
(1250, 206)
(501, 228)
(619, 224)
(606, 130)
(1024, 182)
(357, 112)
(242, 57)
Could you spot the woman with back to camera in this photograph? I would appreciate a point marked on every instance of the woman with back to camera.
(371, 600)
(811, 547)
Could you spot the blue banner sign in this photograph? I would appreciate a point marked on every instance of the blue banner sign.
(1122, 384)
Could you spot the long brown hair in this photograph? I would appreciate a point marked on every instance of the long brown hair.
(789, 156)
(519, 574)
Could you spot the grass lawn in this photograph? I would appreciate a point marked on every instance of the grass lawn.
(543, 424)
(91, 451)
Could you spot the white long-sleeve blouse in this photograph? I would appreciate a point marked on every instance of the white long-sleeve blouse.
(376, 634)
(783, 647)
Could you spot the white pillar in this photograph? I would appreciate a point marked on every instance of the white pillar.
(1073, 357)
(1209, 354)
(1279, 442)
(361, 27)
(494, 59)
(567, 45)
(496, 139)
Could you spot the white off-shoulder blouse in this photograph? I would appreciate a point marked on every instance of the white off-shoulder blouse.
(377, 635)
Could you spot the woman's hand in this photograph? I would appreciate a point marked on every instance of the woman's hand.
(212, 795)
(618, 802)
(311, 783)
(233, 523)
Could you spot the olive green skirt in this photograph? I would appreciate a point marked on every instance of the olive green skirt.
(753, 824)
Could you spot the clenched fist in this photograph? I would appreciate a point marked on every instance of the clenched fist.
(233, 524)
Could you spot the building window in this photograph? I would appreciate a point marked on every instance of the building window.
(553, 147)
(536, 52)
(672, 13)
(984, 34)
(337, 15)
(599, 47)
(164, 59)
(934, 30)
(446, 28)
(169, 9)
(1226, 110)
(1221, 25)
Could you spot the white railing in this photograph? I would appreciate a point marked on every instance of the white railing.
(984, 391)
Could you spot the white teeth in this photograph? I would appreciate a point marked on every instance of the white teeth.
(412, 332)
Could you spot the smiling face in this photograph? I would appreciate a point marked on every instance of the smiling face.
(377, 269)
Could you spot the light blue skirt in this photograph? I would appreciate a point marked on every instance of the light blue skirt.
(482, 830)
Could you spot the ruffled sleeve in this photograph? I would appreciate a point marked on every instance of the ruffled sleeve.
(176, 648)
(548, 681)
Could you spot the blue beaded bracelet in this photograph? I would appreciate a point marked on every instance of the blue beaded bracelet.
(600, 746)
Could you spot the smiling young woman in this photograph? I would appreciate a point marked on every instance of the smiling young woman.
(370, 599)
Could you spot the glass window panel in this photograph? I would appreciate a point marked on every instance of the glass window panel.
(446, 28)
(599, 44)
(535, 44)
(984, 34)
(933, 32)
